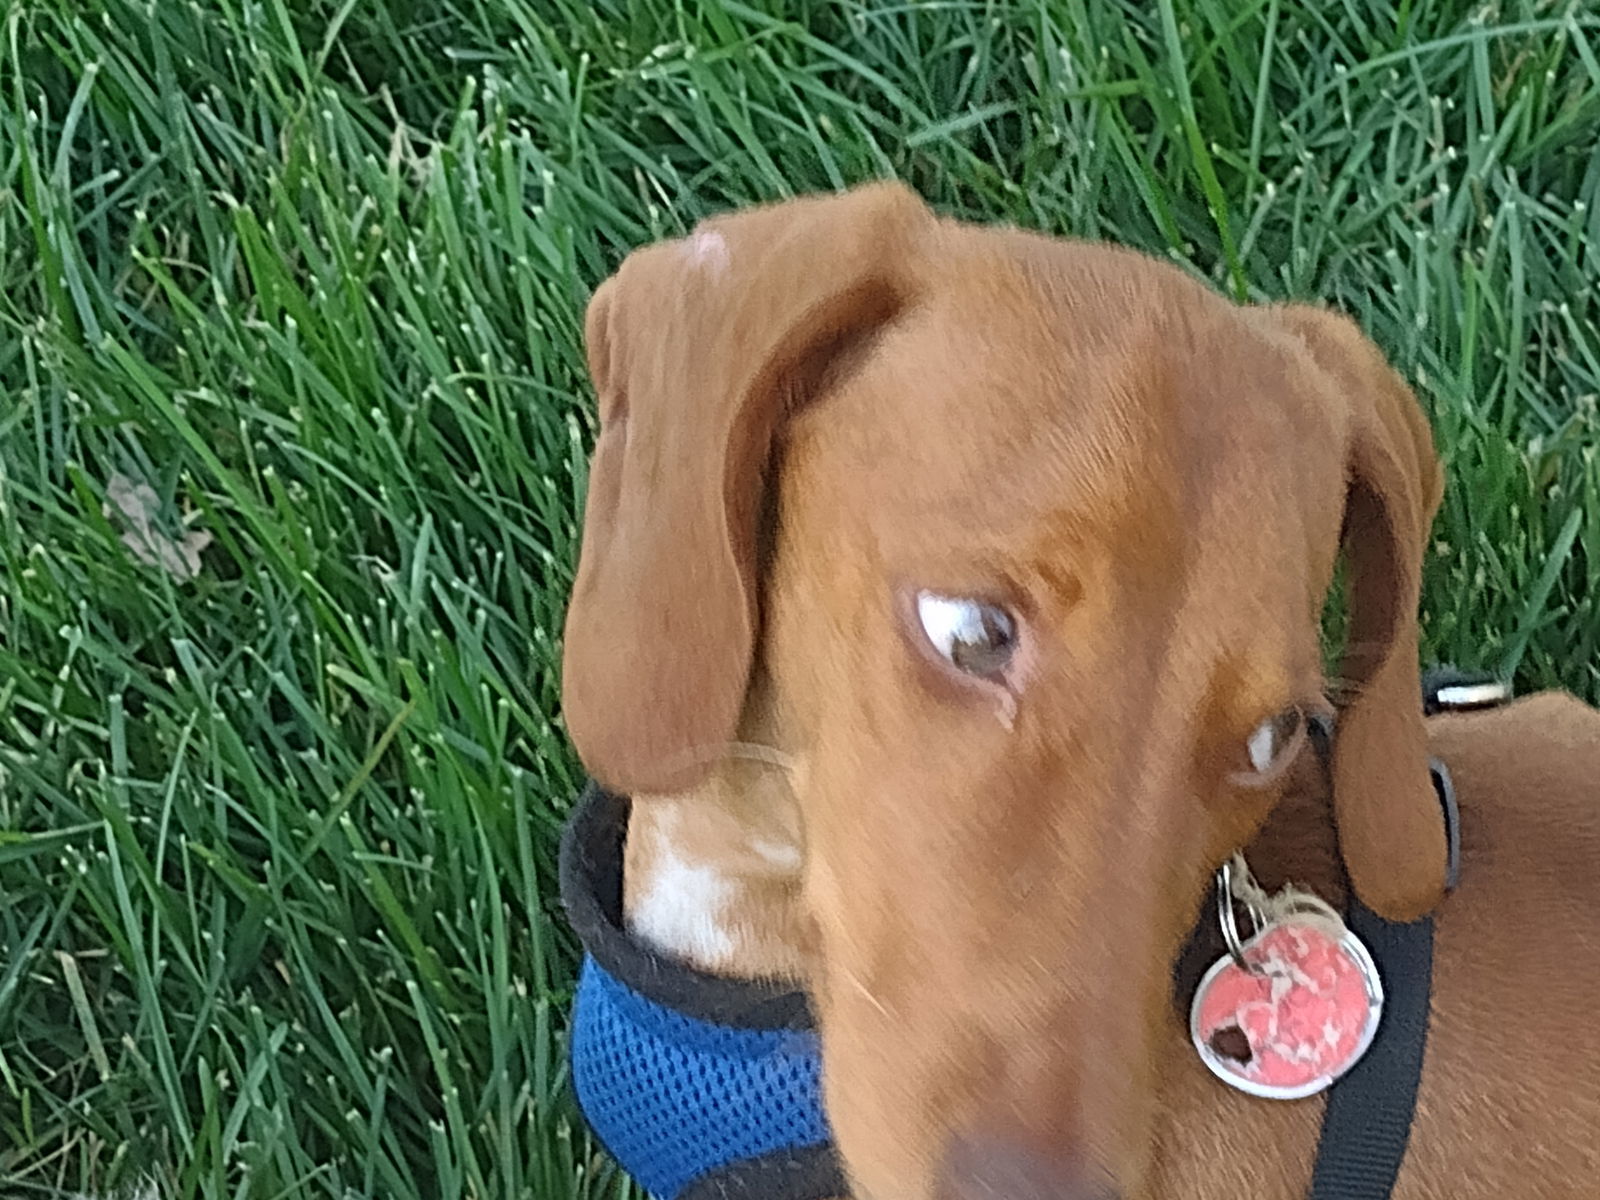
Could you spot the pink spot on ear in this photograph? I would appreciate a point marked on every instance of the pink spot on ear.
(709, 250)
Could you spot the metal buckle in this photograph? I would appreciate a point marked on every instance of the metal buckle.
(1446, 689)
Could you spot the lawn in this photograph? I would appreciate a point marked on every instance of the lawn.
(293, 427)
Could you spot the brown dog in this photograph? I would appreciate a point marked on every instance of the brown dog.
(949, 602)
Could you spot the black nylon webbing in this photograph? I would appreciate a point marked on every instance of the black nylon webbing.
(1367, 1122)
(808, 1173)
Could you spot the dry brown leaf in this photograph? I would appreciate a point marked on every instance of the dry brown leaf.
(136, 504)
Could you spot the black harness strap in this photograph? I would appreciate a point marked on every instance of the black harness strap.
(1366, 1125)
(808, 1173)
(1367, 1122)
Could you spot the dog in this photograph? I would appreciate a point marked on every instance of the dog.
(949, 606)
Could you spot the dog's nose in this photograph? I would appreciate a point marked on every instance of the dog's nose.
(982, 1167)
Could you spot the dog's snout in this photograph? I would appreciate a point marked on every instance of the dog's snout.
(986, 1167)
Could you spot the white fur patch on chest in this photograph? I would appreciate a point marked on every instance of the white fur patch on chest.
(683, 910)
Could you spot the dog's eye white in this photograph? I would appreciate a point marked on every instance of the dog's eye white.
(1273, 738)
(976, 638)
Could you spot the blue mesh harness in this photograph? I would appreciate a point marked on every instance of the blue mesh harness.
(700, 1087)
(704, 1088)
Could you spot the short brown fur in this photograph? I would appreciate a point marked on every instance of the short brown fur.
(812, 410)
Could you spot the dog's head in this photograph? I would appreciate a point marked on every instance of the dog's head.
(1030, 540)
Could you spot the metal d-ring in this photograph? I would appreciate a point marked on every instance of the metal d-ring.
(1230, 923)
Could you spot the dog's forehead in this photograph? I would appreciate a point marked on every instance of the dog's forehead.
(1034, 374)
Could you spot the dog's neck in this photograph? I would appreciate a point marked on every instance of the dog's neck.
(1299, 844)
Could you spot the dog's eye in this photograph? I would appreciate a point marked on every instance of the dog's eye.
(975, 637)
(1274, 739)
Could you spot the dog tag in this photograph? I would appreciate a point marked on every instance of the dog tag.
(1293, 1010)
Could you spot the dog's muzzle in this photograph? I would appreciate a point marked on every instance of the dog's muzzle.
(705, 1088)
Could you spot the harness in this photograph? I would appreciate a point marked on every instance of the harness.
(708, 1088)
(699, 1086)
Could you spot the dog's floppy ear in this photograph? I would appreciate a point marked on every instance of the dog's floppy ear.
(698, 348)
(1390, 826)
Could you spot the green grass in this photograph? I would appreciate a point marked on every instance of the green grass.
(276, 843)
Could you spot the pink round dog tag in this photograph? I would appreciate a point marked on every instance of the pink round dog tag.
(1301, 1016)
